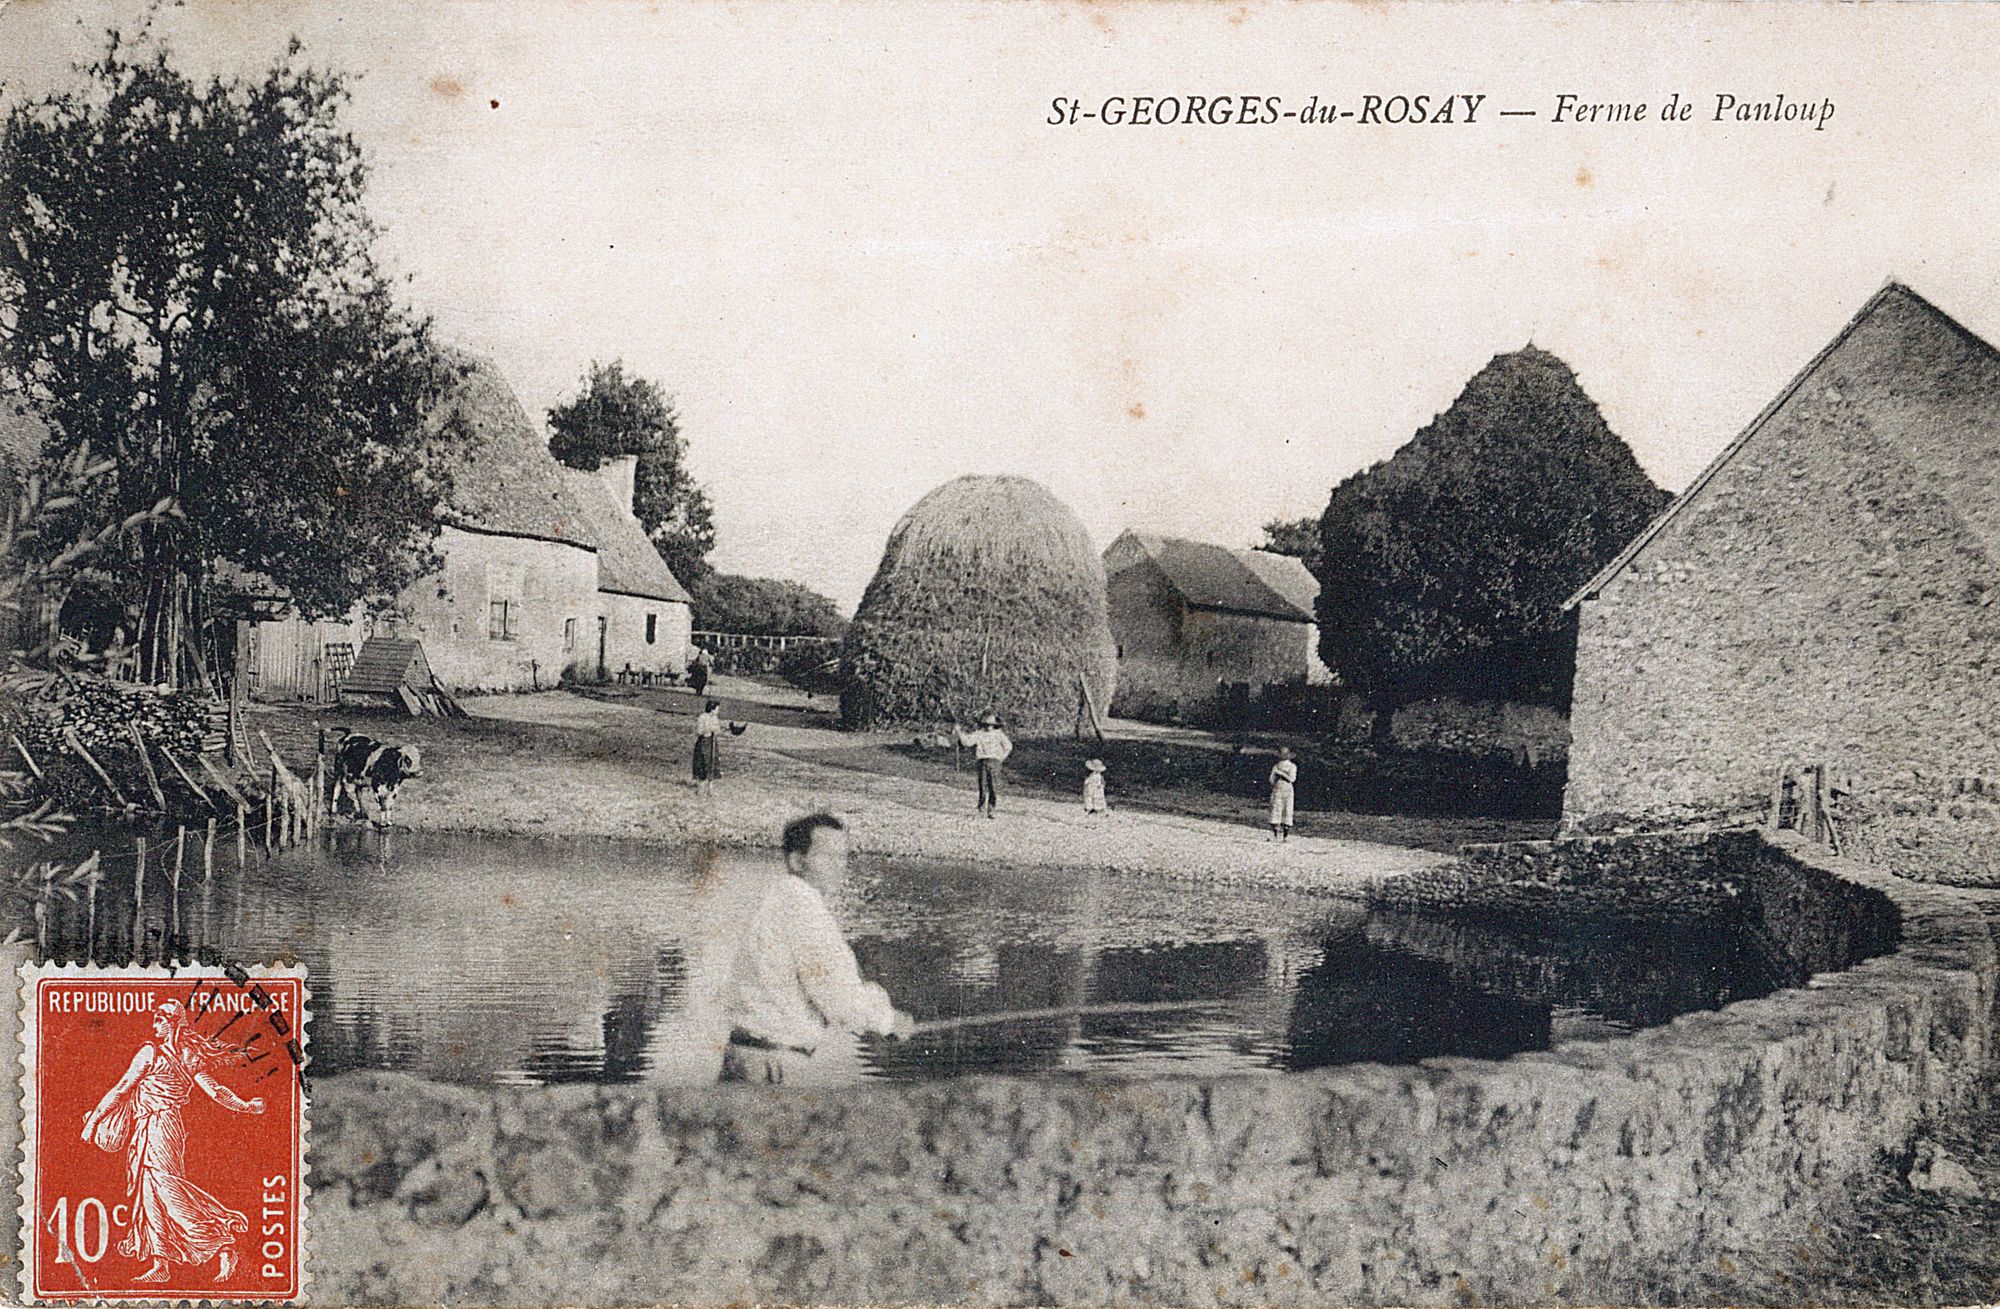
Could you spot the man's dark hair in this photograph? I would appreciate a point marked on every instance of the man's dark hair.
(799, 832)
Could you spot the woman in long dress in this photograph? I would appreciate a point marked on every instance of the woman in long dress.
(173, 1220)
(1284, 774)
(707, 752)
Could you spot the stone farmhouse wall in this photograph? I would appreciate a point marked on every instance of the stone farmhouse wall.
(1171, 656)
(552, 590)
(1814, 603)
(626, 644)
(1585, 1174)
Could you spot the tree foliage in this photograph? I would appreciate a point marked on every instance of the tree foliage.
(725, 602)
(618, 414)
(1297, 537)
(188, 285)
(1444, 569)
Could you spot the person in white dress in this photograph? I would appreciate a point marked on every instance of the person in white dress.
(1284, 776)
(1093, 787)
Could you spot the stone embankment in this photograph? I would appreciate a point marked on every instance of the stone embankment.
(1597, 1171)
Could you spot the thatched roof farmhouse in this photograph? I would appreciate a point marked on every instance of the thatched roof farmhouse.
(1824, 594)
(543, 573)
(645, 617)
(990, 596)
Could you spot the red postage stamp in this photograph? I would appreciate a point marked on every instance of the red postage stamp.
(163, 1144)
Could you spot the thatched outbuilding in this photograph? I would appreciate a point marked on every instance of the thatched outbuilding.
(990, 597)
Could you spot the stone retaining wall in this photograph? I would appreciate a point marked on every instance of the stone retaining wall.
(1586, 1174)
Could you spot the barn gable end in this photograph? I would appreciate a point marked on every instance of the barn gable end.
(1823, 593)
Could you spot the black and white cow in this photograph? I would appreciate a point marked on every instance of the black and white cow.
(360, 761)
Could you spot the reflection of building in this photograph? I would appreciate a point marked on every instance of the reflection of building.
(1202, 630)
(1361, 1005)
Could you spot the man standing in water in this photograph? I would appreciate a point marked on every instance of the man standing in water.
(795, 976)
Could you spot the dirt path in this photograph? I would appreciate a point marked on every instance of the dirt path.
(562, 764)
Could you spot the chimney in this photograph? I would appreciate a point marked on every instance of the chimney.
(621, 474)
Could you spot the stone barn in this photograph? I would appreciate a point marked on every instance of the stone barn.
(645, 619)
(1202, 630)
(1823, 594)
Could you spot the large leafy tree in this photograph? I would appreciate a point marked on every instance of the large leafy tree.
(618, 413)
(1444, 569)
(187, 287)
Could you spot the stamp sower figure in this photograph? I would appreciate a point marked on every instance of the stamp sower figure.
(1284, 774)
(1093, 787)
(990, 748)
(795, 976)
(173, 1220)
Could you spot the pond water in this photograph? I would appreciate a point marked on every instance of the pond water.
(481, 959)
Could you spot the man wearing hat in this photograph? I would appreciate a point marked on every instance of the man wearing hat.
(990, 748)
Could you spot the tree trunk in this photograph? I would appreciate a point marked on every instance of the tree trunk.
(163, 611)
(1382, 729)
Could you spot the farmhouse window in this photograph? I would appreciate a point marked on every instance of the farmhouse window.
(503, 601)
(569, 635)
(652, 627)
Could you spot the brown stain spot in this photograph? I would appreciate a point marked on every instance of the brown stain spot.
(1240, 16)
(1136, 409)
(1538, 1201)
(1584, 177)
(1064, 1253)
(446, 85)
(493, 104)
(1725, 1263)
(1558, 1260)
(507, 899)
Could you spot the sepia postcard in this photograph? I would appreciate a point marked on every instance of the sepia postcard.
(1121, 653)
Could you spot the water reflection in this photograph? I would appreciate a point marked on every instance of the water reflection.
(475, 959)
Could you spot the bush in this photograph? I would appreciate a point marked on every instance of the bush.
(1444, 570)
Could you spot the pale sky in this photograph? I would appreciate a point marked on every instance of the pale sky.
(845, 238)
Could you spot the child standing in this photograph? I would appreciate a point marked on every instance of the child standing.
(1284, 774)
(1093, 787)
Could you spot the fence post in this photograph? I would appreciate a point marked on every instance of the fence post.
(242, 827)
(208, 852)
(139, 876)
(174, 913)
(90, 923)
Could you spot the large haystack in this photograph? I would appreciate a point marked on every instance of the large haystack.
(990, 597)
